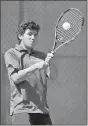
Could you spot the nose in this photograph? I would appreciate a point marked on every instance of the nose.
(33, 36)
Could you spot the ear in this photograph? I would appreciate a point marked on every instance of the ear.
(20, 36)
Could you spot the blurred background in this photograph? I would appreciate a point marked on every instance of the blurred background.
(67, 88)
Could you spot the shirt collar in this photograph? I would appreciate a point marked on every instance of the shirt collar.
(21, 49)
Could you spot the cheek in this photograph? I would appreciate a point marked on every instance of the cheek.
(26, 39)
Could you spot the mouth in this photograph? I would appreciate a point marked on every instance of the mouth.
(32, 42)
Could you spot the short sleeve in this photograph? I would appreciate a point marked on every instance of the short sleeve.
(11, 61)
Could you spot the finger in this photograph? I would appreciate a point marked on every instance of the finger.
(52, 52)
(46, 63)
(49, 55)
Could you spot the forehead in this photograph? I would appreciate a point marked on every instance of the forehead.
(31, 31)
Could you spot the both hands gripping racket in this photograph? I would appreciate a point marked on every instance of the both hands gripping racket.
(68, 26)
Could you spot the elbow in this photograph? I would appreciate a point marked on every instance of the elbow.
(15, 79)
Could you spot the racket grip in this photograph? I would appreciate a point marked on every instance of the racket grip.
(52, 52)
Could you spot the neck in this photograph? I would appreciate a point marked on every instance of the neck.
(25, 48)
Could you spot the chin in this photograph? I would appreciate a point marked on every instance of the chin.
(29, 47)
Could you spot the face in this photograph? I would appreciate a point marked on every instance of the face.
(28, 38)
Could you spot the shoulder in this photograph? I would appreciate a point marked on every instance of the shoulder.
(11, 53)
(39, 54)
(11, 58)
(11, 50)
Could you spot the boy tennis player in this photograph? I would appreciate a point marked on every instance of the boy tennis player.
(28, 71)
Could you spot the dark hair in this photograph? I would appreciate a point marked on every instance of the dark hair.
(26, 25)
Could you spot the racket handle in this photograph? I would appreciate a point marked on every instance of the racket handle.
(52, 52)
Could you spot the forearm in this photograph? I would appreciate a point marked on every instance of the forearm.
(23, 74)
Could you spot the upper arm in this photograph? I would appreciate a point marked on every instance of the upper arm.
(12, 63)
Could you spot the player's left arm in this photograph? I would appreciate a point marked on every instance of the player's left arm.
(48, 59)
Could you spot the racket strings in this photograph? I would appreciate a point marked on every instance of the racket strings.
(70, 17)
(75, 20)
(73, 29)
(71, 32)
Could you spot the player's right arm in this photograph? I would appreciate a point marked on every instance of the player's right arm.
(17, 75)
(21, 75)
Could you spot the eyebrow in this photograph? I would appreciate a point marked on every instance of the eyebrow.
(32, 33)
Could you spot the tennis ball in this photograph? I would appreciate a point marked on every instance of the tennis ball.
(66, 26)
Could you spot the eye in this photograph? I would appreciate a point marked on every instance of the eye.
(30, 34)
(35, 35)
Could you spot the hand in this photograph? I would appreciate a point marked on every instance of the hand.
(42, 65)
(49, 57)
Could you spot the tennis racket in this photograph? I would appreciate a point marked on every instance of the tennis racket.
(68, 26)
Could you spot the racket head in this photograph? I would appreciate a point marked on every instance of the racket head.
(73, 17)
